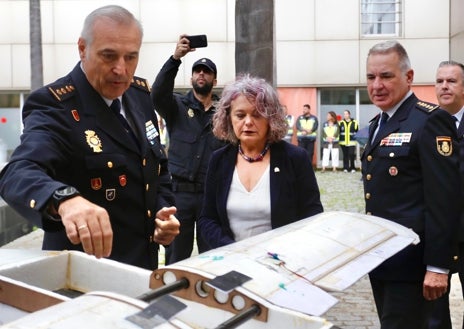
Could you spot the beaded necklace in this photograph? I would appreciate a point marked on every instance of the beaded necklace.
(259, 157)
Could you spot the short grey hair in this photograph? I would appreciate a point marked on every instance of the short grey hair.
(453, 63)
(113, 12)
(392, 46)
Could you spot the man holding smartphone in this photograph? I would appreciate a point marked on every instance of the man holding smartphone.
(189, 123)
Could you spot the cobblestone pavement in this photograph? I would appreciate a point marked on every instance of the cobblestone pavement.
(356, 309)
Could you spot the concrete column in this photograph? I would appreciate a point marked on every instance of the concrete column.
(255, 39)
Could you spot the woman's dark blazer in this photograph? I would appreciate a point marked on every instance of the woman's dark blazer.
(294, 190)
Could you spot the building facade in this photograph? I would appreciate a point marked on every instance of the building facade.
(320, 45)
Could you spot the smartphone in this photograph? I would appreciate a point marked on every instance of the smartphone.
(198, 41)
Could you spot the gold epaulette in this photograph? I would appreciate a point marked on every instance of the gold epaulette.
(426, 107)
(141, 84)
(62, 92)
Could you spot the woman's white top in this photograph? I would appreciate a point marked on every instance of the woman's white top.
(249, 212)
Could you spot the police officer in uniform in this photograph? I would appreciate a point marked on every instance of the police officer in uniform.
(291, 124)
(191, 141)
(93, 179)
(449, 89)
(409, 169)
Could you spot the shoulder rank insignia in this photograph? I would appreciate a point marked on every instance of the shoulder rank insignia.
(444, 145)
(62, 91)
(426, 107)
(141, 84)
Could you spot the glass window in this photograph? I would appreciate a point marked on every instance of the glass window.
(364, 97)
(380, 17)
(10, 123)
(9, 100)
(355, 100)
(338, 96)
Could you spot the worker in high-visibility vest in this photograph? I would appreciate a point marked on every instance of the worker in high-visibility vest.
(306, 130)
(330, 136)
(348, 129)
(291, 123)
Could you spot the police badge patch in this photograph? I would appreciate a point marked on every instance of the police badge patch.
(75, 115)
(93, 140)
(444, 145)
(96, 183)
(110, 194)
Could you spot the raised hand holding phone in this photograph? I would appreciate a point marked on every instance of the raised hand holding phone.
(198, 41)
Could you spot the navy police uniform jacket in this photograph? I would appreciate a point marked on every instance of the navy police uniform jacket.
(71, 137)
(460, 132)
(410, 176)
(294, 190)
(191, 141)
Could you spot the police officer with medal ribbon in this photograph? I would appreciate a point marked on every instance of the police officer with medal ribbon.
(409, 169)
(90, 169)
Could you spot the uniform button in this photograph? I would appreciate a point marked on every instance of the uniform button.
(391, 155)
(147, 187)
(148, 213)
(144, 162)
(368, 196)
(368, 213)
(368, 176)
(455, 257)
(32, 203)
(369, 158)
(151, 238)
(110, 164)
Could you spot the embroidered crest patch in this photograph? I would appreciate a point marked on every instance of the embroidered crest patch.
(96, 183)
(444, 145)
(110, 194)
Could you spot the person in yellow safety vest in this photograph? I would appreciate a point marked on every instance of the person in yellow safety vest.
(306, 130)
(348, 129)
(291, 123)
(330, 134)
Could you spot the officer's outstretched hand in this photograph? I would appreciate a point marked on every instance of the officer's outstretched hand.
(435, 285)
(89, 224)
(166, 226)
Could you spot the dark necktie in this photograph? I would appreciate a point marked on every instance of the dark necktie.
(381, 124)
(460, 127)
(116, 108)
(383, 119)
